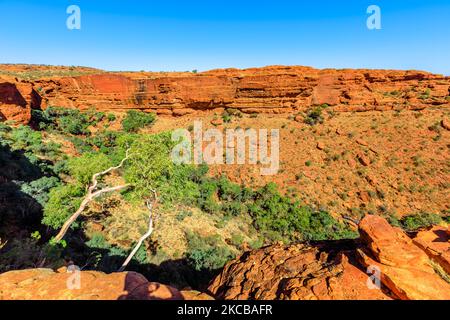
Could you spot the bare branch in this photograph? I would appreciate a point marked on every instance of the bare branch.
(2, 244)
(92, 194)
(150, 207)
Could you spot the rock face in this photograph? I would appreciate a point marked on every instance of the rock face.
(46, 284)
(16, 100)
(436, 244)
(405, 268)
(298, 272)
(333, 270)
(271, 89)
(275, 89)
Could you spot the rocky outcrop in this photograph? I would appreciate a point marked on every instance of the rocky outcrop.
(46, 284)
(435, 243)
(17, 98)
(275, 89)
(336, 270)
(405, 268)
(326, 270)
(298, 272)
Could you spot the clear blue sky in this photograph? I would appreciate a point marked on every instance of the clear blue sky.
(204, 34)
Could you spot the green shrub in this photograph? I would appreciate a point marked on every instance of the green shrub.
(84, 167)
(314, 115)
(39, 189)
(81, 145)
(25, 138)
(67, 121)
(418, 221)
(104, 141)
(207, 253)
(183, 215)
(136, 120)
(105, 257)
(150, 167)
(63, 201)
(233, 208)
(111, 117)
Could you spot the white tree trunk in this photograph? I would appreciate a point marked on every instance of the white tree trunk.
(92, 194)
(150, 207)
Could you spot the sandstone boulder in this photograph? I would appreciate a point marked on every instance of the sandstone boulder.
(336, 269)
(296, 272)
(46, 284)
(405, 269)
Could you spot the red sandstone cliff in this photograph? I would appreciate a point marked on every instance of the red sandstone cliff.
(269, 89)
(17, 98)
(275, 89)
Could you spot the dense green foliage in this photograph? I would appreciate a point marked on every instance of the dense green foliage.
(83, 167)
(418, 221)
(136, 120)
(68, 121)
(63, 201)
(207, 253)
(150, 167)
(28, 253)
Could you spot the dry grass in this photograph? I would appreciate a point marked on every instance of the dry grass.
(124, 224)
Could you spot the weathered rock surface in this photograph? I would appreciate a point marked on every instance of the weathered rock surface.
(46, 284)
(271, 89)
(274, 89)
(445, 123)
(405, 269)
(329, 270)
(436, 244)
(16, 100)
(294, 272)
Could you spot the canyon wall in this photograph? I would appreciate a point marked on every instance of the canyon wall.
(17, 98)
(274, 89)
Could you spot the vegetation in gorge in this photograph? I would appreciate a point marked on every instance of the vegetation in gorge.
(136, 120)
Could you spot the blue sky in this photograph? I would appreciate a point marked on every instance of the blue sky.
(205, 34)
